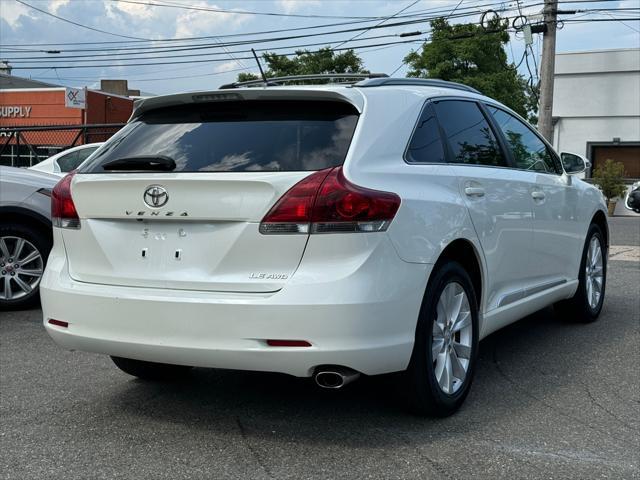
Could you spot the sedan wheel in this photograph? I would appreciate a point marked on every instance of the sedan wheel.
(21, 267)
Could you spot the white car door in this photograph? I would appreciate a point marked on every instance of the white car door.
(496, 196)
(558, 235)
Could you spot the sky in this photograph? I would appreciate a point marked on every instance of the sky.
(26, 34)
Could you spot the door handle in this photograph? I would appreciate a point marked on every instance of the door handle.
(474, 191)
(537, 195)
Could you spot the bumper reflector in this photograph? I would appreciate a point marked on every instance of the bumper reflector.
(58, 323)
(288, 343)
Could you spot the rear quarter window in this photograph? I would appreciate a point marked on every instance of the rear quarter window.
(426, 144)
(238, 136)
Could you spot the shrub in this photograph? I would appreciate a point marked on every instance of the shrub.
(610, 178)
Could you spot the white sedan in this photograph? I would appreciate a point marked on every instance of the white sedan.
(63, 162)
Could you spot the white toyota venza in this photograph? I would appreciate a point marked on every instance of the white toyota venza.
(321, 231)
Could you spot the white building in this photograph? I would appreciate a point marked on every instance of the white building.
(596, 106)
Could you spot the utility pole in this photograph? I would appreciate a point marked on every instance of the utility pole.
(547, 69)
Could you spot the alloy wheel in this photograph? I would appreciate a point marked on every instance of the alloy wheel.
(452, 338)
(21, 267)
(594, 272)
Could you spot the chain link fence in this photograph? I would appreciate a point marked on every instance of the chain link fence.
(26, 146)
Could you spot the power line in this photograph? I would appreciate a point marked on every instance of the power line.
(588, 20)
(68, 58)
(84, 79)
(238, 12)
(378, 45)
(174, 48)
(57, 60)
(262, 40)
(124, 55)
(76, 23)
(448, 16)
(623, 23)
(111, 65)
(378, 24)
(434, 14)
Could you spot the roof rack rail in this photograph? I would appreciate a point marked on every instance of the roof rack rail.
(327, 77)
(425, 82)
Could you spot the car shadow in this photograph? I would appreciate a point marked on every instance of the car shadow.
(516, 368)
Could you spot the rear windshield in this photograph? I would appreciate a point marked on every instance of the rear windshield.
(237, 136)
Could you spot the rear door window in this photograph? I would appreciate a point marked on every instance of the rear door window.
(426, 144)
(238, 136)
(469, 134)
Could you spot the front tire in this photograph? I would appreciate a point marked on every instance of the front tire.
(444, 355)
(151, 370)
(585, 306)
(23, 254)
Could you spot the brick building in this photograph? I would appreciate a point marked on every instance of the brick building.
(30, 103)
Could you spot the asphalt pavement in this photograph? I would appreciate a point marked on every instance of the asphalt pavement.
(551, 399)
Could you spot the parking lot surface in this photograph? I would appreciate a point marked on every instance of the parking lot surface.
(551, 399)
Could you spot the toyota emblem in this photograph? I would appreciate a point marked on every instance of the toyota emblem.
(156, 196)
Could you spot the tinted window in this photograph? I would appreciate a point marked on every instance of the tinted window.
(468, 133)
(68, 162)
(426, 144)
(73, 160)
(85, 152)
(528, 150)
(238, 136)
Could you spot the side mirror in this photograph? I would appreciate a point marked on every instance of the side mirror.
(573, 164)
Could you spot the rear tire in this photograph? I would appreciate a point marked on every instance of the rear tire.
(585, 306)
(446, 343)
(151, 370)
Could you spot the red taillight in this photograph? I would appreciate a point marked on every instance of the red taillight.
(326, 202)
(292, 213)
(63, 211)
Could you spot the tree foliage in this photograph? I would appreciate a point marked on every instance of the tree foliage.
(469, 54)
(305, 62)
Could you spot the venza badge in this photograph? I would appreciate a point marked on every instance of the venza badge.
(156, 196)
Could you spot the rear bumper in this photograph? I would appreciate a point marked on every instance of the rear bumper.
(359, 313)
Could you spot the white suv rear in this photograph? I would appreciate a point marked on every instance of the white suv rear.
(322, 231)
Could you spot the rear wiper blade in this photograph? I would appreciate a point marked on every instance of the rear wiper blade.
(143, 162)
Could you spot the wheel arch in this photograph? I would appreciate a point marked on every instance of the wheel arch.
(600, 219)
(24, 216)
(465, 252)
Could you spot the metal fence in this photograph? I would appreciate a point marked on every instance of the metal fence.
(26, 146)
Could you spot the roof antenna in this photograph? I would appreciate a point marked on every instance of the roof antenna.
(264, 77)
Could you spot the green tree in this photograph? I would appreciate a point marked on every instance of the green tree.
(469, 54)
(305, 62)
(610, 178)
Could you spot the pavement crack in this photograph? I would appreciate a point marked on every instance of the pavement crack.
(252, 450)
(530, 395)
(594, 401)
(437, 467)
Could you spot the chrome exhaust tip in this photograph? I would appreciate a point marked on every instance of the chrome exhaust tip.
(334, 378)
